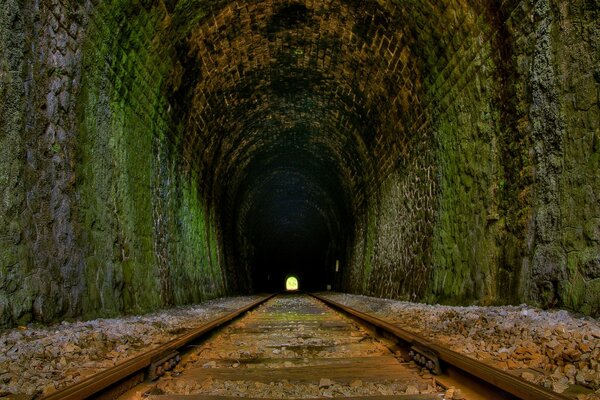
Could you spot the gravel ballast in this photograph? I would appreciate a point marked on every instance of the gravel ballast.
(290, 348)
(40, 360)
(554, 348)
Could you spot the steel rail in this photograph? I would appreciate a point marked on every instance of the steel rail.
(103, 380)
(508, 383)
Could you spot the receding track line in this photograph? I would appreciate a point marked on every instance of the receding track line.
(135, 370)
(293, 346)
(269, 324)
(489, 382)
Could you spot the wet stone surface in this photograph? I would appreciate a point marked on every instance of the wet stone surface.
(555, 349)
(40, 360)
(292, 347)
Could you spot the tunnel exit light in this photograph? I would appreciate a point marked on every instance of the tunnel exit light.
(291, 284)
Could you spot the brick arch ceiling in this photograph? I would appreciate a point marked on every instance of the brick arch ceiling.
(295, 110)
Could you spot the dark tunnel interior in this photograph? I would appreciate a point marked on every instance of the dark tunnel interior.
(294, 215)
(290, 142)
(166, 152)
(289, 206)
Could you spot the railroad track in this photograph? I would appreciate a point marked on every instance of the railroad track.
(301, 346)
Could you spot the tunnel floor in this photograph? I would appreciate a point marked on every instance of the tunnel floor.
(556, 349)
(291, 347)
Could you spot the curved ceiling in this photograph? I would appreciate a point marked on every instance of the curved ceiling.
(294, 112)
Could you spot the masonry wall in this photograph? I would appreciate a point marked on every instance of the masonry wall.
(466, 97)
(100, 216)
(556, 103)
(512, 113)
(432, 232)
(463, 136)
(574, 49)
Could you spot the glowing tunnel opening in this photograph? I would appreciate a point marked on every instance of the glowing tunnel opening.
(291, 284)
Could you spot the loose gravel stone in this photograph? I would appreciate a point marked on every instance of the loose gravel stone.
(554, 348)
(306, 334)
(324, 383)
(412, 390)
(40, 360)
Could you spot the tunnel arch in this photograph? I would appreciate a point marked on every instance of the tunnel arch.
(314, 111)
(295, 101)
(161, 152)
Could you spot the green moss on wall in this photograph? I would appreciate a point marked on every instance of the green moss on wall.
(149, 239)
(15, 301)
(115, 169)
(198, 271)
(369, 252)
(575, 36)
(465, 248)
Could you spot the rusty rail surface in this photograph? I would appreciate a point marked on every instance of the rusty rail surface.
(492, 378)
(95, 384)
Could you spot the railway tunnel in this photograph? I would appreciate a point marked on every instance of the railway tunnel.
(161, 153)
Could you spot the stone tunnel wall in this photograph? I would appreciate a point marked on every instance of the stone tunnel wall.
(574, 48)
(465, 94)
(484, 184)
(512, 107)
(99, 216)
(429, 233)
(141, 206)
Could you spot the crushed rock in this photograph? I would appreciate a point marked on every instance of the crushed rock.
(40, 360)
(555, 348)
(312, 335)
(286, 390)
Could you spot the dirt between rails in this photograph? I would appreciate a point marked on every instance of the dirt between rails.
(294, 347)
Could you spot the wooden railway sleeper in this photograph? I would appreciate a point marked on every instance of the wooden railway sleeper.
(163, 363)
